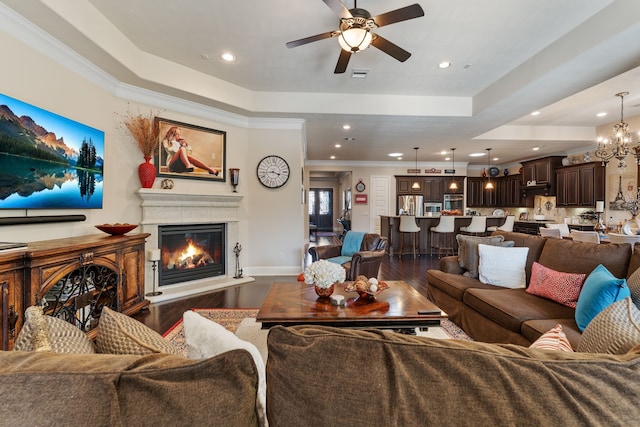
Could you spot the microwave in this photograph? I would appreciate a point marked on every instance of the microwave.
(432, 208)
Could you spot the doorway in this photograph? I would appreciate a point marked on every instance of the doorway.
(321, 208)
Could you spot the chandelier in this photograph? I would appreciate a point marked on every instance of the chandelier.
(617, 146)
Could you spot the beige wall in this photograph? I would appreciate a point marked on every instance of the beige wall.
(271, 230)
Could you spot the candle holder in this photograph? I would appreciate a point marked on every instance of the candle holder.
(154, 257)
(235, 175)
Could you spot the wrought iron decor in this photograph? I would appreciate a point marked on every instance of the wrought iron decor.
(79, 297)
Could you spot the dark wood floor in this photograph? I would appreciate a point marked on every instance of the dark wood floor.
(160, 317)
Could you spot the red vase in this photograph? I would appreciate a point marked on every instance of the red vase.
(324, 292)
(147, 173)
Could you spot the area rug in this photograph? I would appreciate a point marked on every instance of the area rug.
(243, 323)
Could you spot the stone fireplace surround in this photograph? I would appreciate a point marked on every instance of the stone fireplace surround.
(169, 207)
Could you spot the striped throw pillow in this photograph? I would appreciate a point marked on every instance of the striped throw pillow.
(553, 339)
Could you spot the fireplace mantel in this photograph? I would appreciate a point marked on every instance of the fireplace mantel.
(169, 207)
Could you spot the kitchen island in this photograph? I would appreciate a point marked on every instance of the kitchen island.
(389, 228)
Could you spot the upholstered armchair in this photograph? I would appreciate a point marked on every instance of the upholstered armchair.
(366, 260)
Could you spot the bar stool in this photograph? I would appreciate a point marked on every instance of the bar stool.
(507, 225)
(442, 235)
(408, 225)
(477, 227)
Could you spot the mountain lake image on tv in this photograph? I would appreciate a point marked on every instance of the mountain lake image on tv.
(48, 161)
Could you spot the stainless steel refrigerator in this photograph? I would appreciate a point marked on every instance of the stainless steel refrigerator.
(410, 205)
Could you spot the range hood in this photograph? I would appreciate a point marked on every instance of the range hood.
(537, 190)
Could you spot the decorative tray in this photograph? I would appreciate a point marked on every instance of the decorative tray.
(351, 287)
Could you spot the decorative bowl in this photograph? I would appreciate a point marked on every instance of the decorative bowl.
(351, 287)
(116, 229)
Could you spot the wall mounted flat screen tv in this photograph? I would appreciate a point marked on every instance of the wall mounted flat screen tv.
(48, 161)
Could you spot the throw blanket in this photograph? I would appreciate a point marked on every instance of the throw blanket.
(352, 243)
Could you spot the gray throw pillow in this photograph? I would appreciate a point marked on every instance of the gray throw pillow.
(468, 256)
(615, 330)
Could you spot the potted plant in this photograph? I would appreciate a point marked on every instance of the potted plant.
(145, 132)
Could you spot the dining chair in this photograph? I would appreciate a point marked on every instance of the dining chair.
(585, 236)
(550, 232)
(624, 238)
(564, 229)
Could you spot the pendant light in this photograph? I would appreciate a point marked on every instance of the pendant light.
(454, 184)
(489, 185)
(416, 183)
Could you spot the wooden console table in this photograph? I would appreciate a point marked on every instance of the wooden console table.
(73, 278)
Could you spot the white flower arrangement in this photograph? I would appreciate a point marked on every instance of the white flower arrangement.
(324, 273)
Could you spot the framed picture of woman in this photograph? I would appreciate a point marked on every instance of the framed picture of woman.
(189, 151)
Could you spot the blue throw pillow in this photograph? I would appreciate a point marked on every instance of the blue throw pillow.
(600, 290)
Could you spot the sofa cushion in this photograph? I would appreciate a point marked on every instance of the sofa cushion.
(534, 243)
(511, 307)
(599, 291)
(494, 382)
(121, 334)
(468, 256)
(615, 330)
(563, 288)
(205, 338)
(534, 329)
(553, 339)
(502, 267)
(454, 285)
(126, 390)
(47, 333)
(580, 257)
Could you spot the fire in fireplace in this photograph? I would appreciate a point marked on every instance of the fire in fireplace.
(191, 252)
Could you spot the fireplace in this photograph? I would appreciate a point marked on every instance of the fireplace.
(190, 252)
(162, 208)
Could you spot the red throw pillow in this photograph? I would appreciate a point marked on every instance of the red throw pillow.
(563, 288)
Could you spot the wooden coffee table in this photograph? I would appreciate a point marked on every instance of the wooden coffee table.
(291, 304)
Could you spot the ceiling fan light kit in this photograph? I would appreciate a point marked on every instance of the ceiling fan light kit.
(354, 33)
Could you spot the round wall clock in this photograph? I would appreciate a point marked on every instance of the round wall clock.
(360, 187)
(273, 171)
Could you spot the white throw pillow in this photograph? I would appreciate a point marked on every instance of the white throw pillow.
(205, 338)
(503, 266)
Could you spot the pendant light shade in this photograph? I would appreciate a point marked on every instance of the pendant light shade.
(454, 184)
(489, 185)
(416, 183)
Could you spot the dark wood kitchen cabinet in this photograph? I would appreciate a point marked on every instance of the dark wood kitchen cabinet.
(580, 185)
(542, 171)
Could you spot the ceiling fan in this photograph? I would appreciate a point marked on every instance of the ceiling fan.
(355, 33)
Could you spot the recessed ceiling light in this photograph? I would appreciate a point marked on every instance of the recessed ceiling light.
(601, 114)
(477, 154)
(535, 148)
(535, 113)
(346, 127)
(399, 158)
(228, 56)
(338, 145)
(394, 154)
(447, 158)
(332, 157)
(359, 74)
(444, 64)
(495, 159)
(443, 152)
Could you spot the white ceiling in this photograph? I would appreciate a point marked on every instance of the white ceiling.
(566, 59)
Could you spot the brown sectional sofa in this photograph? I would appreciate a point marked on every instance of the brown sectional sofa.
(323, 376)
(493, 314)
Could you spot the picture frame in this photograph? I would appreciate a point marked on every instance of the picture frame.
(202, 149)
(523, 216)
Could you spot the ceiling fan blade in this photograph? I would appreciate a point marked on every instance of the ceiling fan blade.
(343, 61)
(390, 49)
(310, 39)
(399, 15)
(338, 8)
